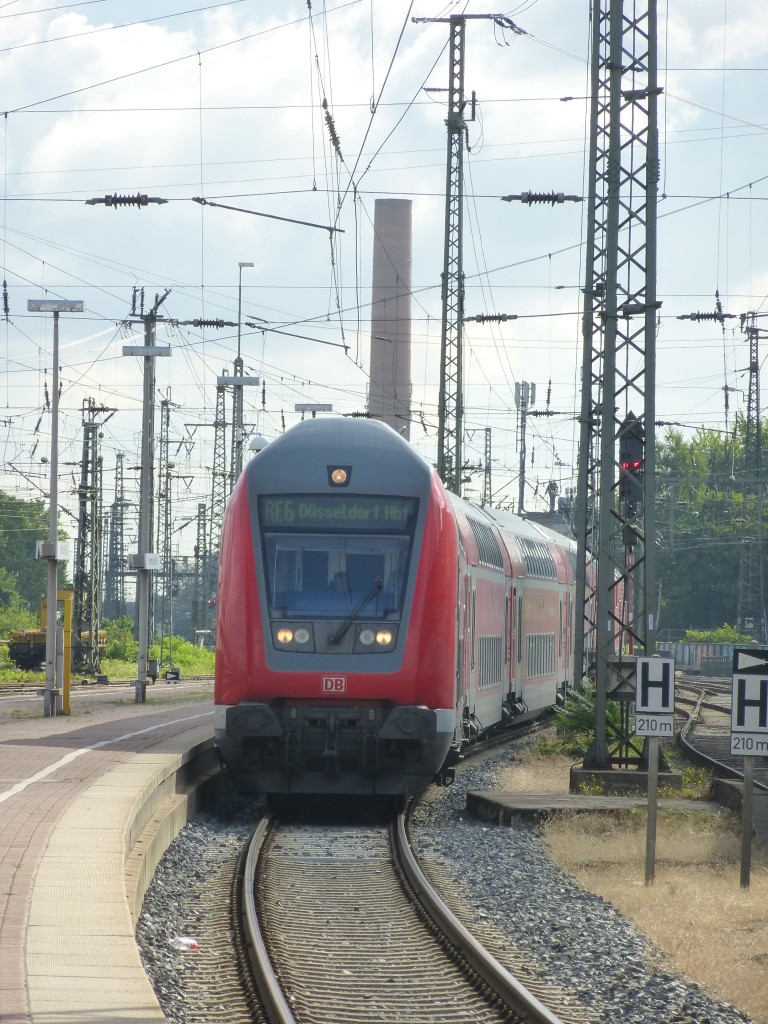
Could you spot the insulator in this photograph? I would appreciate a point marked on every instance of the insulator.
(332, 131)
(542, 197)
(719, 316)
(115, 200)
(5, 300)
(487, 318)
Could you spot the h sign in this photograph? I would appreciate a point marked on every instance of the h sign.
(655, 682)
(749, 707)
(334, 684)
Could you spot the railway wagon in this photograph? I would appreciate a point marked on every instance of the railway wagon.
(369, 624)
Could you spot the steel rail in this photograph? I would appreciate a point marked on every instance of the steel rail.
(275, 1005)
(496, 977)
(696, 754)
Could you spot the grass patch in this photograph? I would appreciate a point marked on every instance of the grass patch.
(706, 926)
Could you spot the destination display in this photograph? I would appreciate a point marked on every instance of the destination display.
(343, 511)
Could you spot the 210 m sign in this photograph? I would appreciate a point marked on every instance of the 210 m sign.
(749, 707)
(654, 725)
(750, 744)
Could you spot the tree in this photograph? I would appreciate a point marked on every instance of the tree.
(704, 500)
(22, 524)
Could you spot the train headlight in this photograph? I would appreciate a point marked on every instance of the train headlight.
(296, 636)
(339, 476)
(375, 638)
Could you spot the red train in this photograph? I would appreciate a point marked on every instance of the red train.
(369, 624)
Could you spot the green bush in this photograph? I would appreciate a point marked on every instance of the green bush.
(191, 659)
(722, 635)
(121, 644)
(575, 722)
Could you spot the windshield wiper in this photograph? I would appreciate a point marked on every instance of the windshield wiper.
(336, 638)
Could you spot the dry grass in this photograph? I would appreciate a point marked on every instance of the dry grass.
(710, 929)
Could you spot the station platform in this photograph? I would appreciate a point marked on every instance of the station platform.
(72, 790)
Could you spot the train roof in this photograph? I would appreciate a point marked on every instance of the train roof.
(519, 526)
(381, 458)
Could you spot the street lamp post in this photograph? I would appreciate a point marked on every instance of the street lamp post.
(52, 696)
(237, 459)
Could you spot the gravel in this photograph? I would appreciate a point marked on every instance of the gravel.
(566, 935)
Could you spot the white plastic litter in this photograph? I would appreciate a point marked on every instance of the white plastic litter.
(184, 942)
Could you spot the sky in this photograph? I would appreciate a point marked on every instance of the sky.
(227, 102)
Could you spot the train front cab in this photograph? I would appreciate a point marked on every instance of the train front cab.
(336, 698)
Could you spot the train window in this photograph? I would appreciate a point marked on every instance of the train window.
(489, 552)
(538, 558)
(329, 556)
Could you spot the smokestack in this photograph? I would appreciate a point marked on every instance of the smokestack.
(389, 391)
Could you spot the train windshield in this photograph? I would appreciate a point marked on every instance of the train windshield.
(328, 556)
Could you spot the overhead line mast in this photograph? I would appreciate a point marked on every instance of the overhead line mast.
(451, 402)
(615, 533)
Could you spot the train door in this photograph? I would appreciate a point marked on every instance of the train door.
(465, 640)
(510, 646)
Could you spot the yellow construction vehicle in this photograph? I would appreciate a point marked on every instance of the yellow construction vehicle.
(26, 647)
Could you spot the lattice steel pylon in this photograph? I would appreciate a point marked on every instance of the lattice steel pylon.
(750, 616)
(114, 589)
(219, 487)
(162, 579)
(615, 565)
(199, 593)
(87, 576)
(487, 471)
(450, 411)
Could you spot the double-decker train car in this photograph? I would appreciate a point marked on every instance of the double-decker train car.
(369, 624)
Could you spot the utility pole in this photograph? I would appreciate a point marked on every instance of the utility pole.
(619, 349)
(145, 560)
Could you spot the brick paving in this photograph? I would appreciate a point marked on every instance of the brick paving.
(32, 745)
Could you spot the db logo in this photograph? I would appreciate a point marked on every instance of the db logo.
(334, 684)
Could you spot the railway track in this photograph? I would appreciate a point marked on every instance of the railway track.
(705, 737)
(344, 927)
